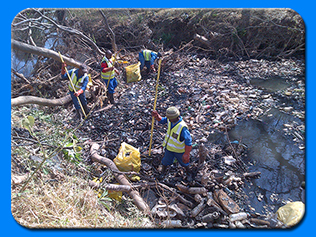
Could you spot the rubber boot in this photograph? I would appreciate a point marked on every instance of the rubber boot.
(105, 102)
(111, 97)
(163, 172)
(78, 114)
(85, 108)
(189, 174)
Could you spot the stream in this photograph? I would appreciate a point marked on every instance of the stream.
(274, 153)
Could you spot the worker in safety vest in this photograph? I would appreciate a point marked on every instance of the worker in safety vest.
(147, 58)
(177, 142)
(108, 75)
(80, 79)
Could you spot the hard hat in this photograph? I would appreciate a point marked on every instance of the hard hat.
(172, 113)
(84, 68)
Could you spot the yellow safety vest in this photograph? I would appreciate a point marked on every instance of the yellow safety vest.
(76, 82)
(172, 139)
(110, 74)
(147, 54)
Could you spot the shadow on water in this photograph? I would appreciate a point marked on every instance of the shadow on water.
(276, 156)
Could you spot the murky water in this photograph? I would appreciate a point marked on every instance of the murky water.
(276, 156)
(271, 84)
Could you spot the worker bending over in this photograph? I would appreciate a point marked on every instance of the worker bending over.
(80, 79)
(108, 73)
(178, 141)
(147, 58)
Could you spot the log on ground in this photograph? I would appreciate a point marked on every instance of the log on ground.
(138, 200)
(23, 100)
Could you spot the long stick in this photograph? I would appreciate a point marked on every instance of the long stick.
(72, 85)
(155, 102)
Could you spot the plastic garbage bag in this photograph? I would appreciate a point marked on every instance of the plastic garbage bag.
(128, 158)
(291, 213)
(133, 73)
(117, 195)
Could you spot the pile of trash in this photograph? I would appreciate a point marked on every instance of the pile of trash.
(212, 97)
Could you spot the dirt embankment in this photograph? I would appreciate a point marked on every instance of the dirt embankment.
(236, 33)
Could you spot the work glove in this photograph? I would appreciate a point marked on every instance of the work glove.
(79, 92)
(156, 115)
(153, 68)
(186, 155)
(63, 68)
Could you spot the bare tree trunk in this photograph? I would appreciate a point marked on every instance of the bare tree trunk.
(111, 32)
(22, 100)
(138, 200)
(43, 52)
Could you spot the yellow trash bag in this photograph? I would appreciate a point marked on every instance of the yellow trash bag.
(117, 195)
(133, 73)
(291, 213)
(128, 158)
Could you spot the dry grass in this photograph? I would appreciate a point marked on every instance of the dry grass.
(70, 204)
(61, 199)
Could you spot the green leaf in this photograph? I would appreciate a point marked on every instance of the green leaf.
(105, 205)
(45, 171)
(28, 123)
(31, 120)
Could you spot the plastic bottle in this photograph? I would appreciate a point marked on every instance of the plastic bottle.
(198, 209)
(210, 217)
(238, 216)
(206, 106)
(171, 223)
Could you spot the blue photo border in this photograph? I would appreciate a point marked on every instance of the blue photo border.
(303, 7)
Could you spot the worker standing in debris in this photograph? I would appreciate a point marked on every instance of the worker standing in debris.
(147, 58)
(80, 79)
(177, 142)
(108, 75)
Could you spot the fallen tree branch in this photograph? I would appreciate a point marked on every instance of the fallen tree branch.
(121, 188)
(23, 100)
(202, 40)
(183, 200)
(138, 200)
(43, 52)
(20, 75)
(73, 31)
